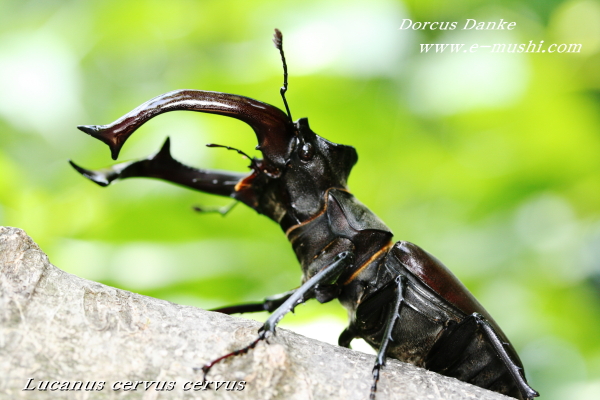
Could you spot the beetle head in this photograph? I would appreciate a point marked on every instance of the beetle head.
(297, 189)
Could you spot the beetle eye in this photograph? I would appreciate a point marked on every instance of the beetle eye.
(306, 151)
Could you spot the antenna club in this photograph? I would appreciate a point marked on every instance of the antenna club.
(277, 39)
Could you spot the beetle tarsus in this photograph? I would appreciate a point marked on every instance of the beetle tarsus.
(207, 367)
(376, 369)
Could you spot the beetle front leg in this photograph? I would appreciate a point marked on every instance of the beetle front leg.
(163, 166)
(326, 276)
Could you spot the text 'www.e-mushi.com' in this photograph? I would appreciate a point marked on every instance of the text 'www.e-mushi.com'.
(530, 47)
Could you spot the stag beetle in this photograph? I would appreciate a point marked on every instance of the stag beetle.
(401, 300)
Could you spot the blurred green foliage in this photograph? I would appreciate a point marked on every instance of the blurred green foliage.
(489, 161)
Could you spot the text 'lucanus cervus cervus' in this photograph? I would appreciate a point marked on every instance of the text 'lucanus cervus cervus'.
(401, 300)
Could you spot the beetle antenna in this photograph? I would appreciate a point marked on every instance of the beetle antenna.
(252, 162)
(278, 42)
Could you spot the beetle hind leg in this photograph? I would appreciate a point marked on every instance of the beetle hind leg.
(515, 370)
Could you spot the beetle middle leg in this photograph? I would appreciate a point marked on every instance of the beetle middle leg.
(393, 315)
(224, 210)
(326, 276)
(270, 304)
(381, 310)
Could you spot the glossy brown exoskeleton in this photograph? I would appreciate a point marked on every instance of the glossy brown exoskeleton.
(401, 300)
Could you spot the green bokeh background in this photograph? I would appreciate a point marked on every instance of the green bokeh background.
(489, 161)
